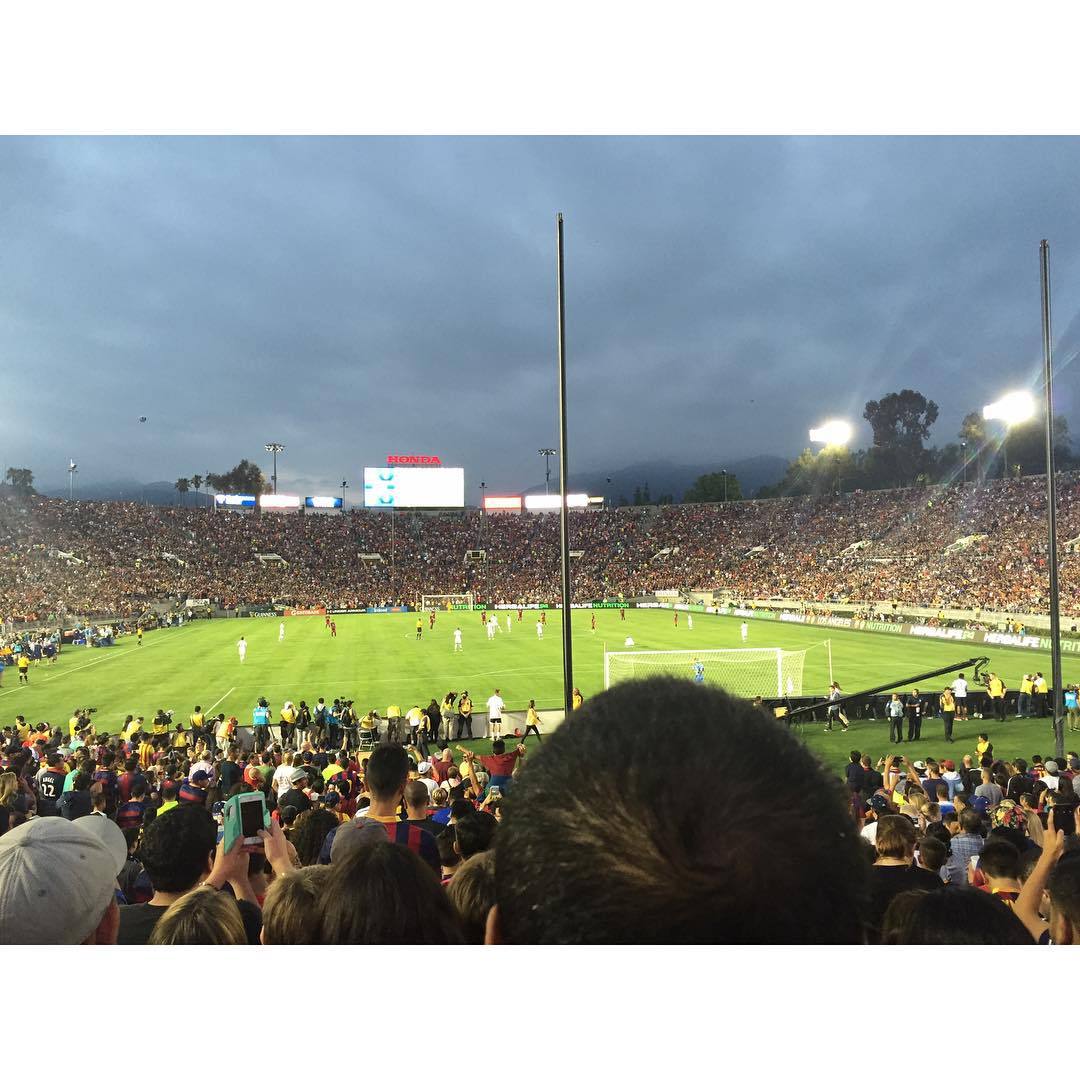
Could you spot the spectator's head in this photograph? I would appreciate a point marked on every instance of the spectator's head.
(970, 820)
(498, 746)
(202, 917)
(1064, 892)
(58, 884)
(474, 833)
(627, 851)
(895, 838)
(855, 757)
(387, 772)
(449, 859)
(955, 915)
(999, 861)
(384, 894)
(177, 849)
(472, 892)
(416, 796)
(933, 854)
(291, 909)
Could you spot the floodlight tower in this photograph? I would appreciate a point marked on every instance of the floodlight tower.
(547, 453)
(836, 434)
(1012, 409)
(274, 448)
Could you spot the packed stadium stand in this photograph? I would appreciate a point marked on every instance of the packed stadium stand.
(970, 546)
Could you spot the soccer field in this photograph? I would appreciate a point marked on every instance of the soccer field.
(377, 661)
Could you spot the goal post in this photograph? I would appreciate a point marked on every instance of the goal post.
(772, 673)
(439, 601)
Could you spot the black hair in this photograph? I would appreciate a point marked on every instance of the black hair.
(855, 756)
(955, 915)
(475, 833)
(385, 894)
(498, 746)
(461, 808)
(176, 846)
(1064, 889)
(999, 859)
(387, 771)
(445, 843)
(309, 833)
(656, 864)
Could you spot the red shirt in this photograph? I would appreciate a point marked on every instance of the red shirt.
(499, 764)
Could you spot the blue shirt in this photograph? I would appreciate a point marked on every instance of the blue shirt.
(260, 715)
(699, 673)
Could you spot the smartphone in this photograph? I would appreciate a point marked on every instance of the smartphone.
(1064, 819)
(244, 816)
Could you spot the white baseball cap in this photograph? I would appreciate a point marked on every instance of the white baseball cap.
(57, 879)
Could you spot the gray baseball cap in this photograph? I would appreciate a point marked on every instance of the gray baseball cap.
(356, 833)
(57, 880)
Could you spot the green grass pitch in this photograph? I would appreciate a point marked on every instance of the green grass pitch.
(376, 660)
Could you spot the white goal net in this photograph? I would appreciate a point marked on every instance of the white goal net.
(770, 673)
(439, 601)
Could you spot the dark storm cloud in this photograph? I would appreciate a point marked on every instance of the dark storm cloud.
(354, 297)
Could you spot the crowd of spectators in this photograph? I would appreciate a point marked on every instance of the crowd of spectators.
(967, 546)
(739, 836)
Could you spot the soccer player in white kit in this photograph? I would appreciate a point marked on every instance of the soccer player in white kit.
(281, 632)
(539, 630)
(491, 624)
(744, 630)
(241, 648)
(457, 640)
(689, 621)
(508, 622)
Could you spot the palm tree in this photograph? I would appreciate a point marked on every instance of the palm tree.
(196, 483)
(182, 485)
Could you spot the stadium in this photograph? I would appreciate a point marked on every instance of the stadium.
(376, 684)
(184, 631)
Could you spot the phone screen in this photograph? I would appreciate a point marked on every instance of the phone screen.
(251, 817)
(1064, 819)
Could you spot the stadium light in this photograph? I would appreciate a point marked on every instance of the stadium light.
(832, 433)
(1012, 409)
(547, 453)
(274, 448)
(1015, 408)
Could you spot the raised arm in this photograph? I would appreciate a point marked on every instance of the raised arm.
(1027, 903)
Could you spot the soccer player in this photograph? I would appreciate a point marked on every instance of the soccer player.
(699, 671)
(622, 614)
(540, 629)
(24, 668)
(138, 635)
(419, 628)
(744, 630)
(495, 706)
(241, 648)
(676, 620)
(491, 624)
(593, 626)
(521, 614)
(328, 621)
(333, 628)
(960, 691)
(508, 622)
(281, 632)
(457, 639)
(543, 617)
(689, 621)
(431, 619)
(483, 618)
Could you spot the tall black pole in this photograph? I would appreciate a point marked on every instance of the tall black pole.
(564, 517)
(1051, 507)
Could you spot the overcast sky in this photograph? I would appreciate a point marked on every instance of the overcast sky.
(355, 297)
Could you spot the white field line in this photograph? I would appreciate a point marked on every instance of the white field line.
(221, 699)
